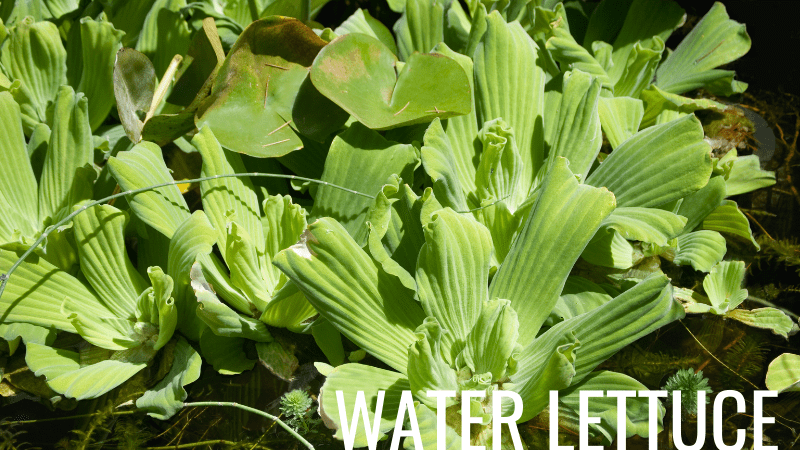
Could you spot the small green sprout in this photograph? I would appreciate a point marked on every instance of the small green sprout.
(688, 382)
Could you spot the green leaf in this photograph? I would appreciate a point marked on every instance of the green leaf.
(134, 87)
(545, 250)
(746, 175)
(359, 74)
(225, 354)
(104, 260)
(195, 236)
(723, 286)
(727, 218)
(329, 340)
(766, 318)
(579, 296)
(362, 160)
(353, 292)
(637, 409)
(429, 431)
(250, 107)
(288, 308)
(63, 182)
(441, 161)
(18, 188)
(783, 373)
(662, 106)
(164, 33)
(36, 290)
(362, 22)
(13, 333)
(231, 198)
(640, 67)
(220, 318)
(492, 342)
(452, 274)
(164, 208)
(608, 248)
(427, 369)
(573, 56)
(500, 168)
(420, 27)
(161, 304)
(577, 135)
(351, 378)
(701, 249)
(65, 375)
(243, 261)
(34, 55)
(646, 224)
(280, 361)
(620, 118)
(714, 41)
(283, 223)
(91, 62)
(698, 205)
(657, 165)
(510, 84)
(166, 398)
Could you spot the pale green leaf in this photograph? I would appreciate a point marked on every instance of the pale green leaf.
(453, 273)
(164, 34)
(243, 261)
(727, 218)
(163, 208)
(104, 260)
(287, 308)
(362, 160)
(499, 173)
(608, 248)
(429, 431)
(420, 27)
(18, 188)
(579, 296)
(441, 162)
(723, 285)
(766, 318)
(661, 106)
(33, 54)
(353, 292)
(640, 68)
(701, 249)
(351, 378)
(63, 183)
(510, 85)
(698, 205)
(545, 250)
(571, 56)
(283, 223)
(166, 398)
(64, 373)
(620, 118)
(783, 373)
(658, 165)
(134, 86)
(746, 175)
(492, 342)
(646, 224)
(362, 22)
(714, 41)
(427, 369)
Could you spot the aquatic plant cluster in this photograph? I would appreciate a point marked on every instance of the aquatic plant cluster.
(489, 197)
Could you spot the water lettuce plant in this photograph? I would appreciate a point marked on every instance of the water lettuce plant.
(456, 330)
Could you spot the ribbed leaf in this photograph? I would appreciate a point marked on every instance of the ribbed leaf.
(783, 373)
(104, 260)
(62, 183)
(702, 249)
(362, 160)
(92, 64)
(577, 135)
(570, 54)
(362, 22)
(164, 208)
(283, 223)
(637, 409)
(18, 189)
(772, 319)
(620, 117)
(166, 398)
(350, 379)
(509, 84)
(493, 340)
(243, 262)
(746, 175)
(225, 354)
(727, 218)
(698, 205)
(349, 289)
(164, 33)
(36, 290)
(646, 224)
(34, 54)
(195, 236)
(545, 250)
(232, 198)
(579, 296)
(420, 27)
(639, 68)
(427, 370)
(714, 41)
(429, 431)
(65, 375)
(452, 274)
(723, 285)
(287, 308)
(662, 106)
(608, 248)
(658, 165)
(440, 159)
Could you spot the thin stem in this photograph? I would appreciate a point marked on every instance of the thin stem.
(79, 416)
(258, 412)
(5, 277)
(715, 358)
(163, 85)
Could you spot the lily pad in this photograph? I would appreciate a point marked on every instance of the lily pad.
(250, 107)
(362, 75)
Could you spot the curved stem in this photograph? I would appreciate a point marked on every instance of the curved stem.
(258, 412)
